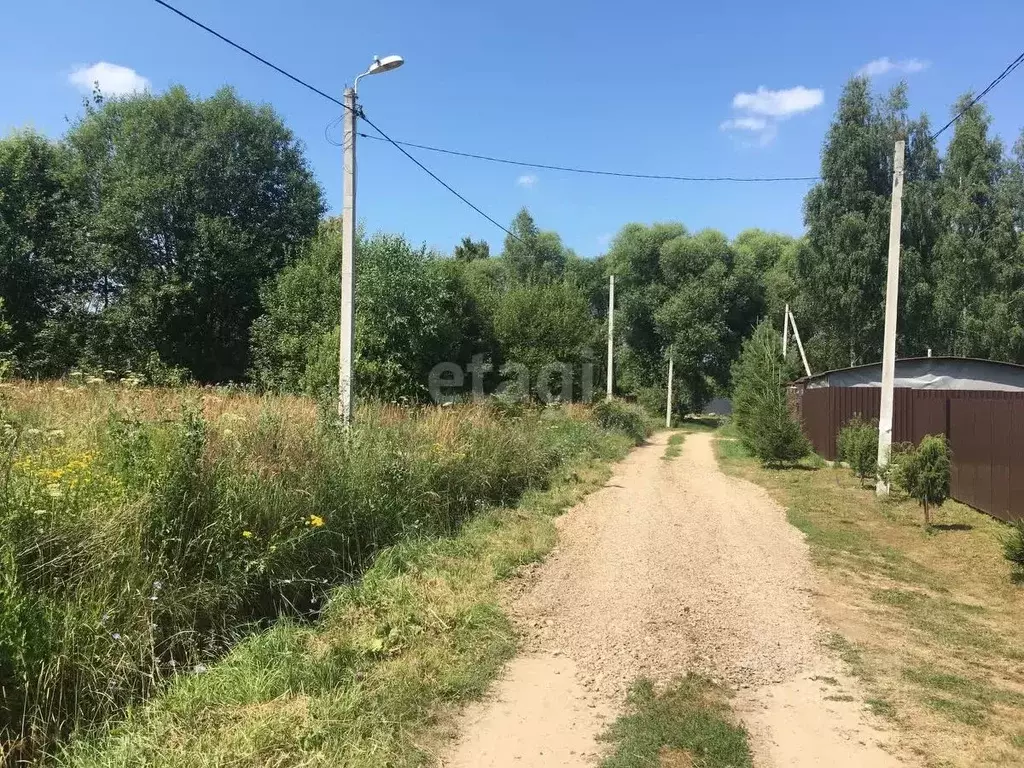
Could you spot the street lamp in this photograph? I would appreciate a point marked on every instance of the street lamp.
(380, 65)
(346, 400)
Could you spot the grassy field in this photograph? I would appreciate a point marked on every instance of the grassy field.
(145, 533)
(929, 619)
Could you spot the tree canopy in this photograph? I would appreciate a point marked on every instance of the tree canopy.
(173, 231)
(149, 230)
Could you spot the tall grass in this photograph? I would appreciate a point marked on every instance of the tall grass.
(144, 532)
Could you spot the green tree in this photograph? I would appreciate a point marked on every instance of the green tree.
(994, 319)
(973, 239)
(922, 226)
(540, 325)
(530, 254)
(470, 250)
(402, 325)
(922, 472)
(41, 261)
(760, 404)
(684, 293)
(634, 257)
(858, 446)
(193, 205)
(767, 261)
(847, 217)
(708, 309)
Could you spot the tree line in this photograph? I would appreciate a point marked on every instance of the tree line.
(182, 237)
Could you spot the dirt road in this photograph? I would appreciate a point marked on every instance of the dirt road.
(671, 567)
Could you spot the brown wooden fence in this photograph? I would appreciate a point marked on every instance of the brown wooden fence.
(985, 432)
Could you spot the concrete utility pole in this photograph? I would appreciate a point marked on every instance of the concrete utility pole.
(348, 253)
(346, 391)
(785, 333)
(611, 334)
(668, 403)
(892, 294)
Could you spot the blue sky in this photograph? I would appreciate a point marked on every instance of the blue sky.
(660, 87)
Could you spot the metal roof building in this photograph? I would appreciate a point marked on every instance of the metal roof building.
(956, 373)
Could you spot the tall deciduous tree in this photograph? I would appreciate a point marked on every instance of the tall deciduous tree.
(767, 260)
(402, 328)
(681, 294)
(847, 216)
(530, 254)
(470, 250)
(541, 325)
(634, 257)
(41, 263)
(973, 238)
(922, 226)
(194, 204)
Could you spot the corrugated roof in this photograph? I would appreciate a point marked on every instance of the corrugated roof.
(982, 360)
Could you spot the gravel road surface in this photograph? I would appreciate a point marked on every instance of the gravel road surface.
(672, 567)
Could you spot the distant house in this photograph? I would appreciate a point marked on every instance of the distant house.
(719, 406)
(950, 373)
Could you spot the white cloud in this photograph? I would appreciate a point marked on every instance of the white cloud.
(113, 79)
(604, 240)
(779, 104)
(526, 180)
(885, 64)
(765, 109)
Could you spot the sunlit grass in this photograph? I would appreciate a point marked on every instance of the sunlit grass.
(369, 684)
(932, 617)
(145, 532)
(687, 724)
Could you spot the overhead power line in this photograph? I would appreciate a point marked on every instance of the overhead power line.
(591, 171)
(1002, 76)
(247, 52)
(400, 145)
(438, 179)
(314, 89)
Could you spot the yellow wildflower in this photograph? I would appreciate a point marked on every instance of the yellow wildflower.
(246, 534)
(316, 521)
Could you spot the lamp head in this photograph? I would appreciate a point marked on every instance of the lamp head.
(385, 64)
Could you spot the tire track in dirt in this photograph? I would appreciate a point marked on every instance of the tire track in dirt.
(672, 567)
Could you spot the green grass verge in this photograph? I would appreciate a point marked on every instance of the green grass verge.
(932, 615)
(369, 684)
(688, 724)
(674, 446)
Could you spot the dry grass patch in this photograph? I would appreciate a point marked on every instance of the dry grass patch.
(930, 620)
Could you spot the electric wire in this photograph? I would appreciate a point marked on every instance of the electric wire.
(401, 145)
(999, 78)
(592, 171)
(330, 98)
(247, 52)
